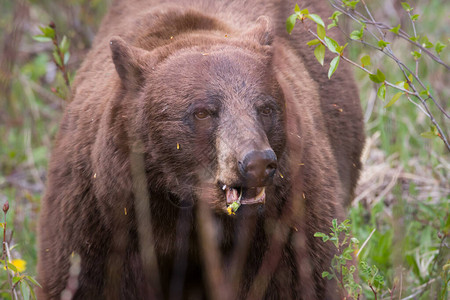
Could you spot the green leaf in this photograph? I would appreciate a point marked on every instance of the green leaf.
(347, 256)
(395, 29)
(365, 60)
(332, 24)
(415, 17)
(414, 38)
(425, 93)
(12, 267)
(416, 55)
(354, 240)
(47, 31)
(426, 43)
(16, 279)
(394, 99)
(332, 45)
(313, 42)
(32, 281)
(66, 58)
(434, 130)
(382, 44)
(290, 22)
(335, 15)
(319, 53)
(25, 289)
(340, 49)
(348, 251)
(406, 6)
(321, 31)
(334, 224)
(333, 66)
(325, 274)
(42, 38)
(235, 206)
(64, 45)
(344, 268)
(296, 8)
(356, 35)
(378, 77)
(351, 4)
(346, 223)
(428, 135)
(381, 93)
(439, 47)
(316, 19)
(322, 235)
(304, 11)
(405, 85)
(57, 58)
(446, 228)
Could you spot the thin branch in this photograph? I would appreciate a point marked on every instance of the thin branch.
(415, 35)
(425, 50)
(371, 17)
(403, 67)
(365, 242)
(402, 34)
(392, 56)
(418, 106)
(374, 292)
(419, 290)
(364, 69)
(414, 93)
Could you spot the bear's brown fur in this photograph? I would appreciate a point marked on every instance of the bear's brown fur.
(170, 99)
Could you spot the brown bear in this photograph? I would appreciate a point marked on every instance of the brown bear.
(202, 149)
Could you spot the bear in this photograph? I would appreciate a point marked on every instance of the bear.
(201, 150)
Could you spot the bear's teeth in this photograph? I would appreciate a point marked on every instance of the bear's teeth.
(232, 195)
(224, 187)
(260, 198)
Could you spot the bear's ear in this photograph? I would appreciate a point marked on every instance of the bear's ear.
(130, 62)
(261, 31)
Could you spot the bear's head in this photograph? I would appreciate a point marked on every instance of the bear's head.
(210, 115)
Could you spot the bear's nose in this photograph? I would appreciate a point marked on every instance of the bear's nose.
(258, 167)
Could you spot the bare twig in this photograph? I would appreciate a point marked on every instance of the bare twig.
(365, 242)
(374, 292)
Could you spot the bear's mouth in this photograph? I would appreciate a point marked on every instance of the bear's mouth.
(245, 195)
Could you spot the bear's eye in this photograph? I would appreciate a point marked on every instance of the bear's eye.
(266, 110)
(202, 114)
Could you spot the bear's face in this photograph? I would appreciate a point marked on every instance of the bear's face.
(217, 129)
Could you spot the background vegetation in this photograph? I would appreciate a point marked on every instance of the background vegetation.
(403, 192)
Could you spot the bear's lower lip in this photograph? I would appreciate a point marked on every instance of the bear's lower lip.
(246, 196)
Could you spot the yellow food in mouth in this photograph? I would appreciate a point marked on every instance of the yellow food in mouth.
(244, 196)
